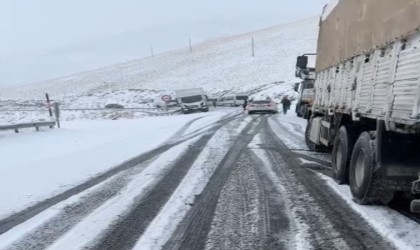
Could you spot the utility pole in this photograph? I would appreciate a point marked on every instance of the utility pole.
(190, 45)
(253, 47)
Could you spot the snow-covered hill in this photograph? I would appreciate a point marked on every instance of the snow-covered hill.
(219, 66)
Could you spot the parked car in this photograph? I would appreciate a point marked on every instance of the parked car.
(232, 100)
(262, 106)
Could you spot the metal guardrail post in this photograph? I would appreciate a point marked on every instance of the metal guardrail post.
(57, 113)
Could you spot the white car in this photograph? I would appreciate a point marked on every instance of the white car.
(262, 106)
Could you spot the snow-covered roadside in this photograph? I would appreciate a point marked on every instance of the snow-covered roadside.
(292, 139)
(99, 220)
(36, 166)
(401, 231)
(291, 118)
(163, 226)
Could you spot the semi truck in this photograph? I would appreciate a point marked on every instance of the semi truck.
(305, 89)
(192, 100)
(366, 107)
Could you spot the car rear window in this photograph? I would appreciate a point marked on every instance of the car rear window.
(241, 97)
(261, 102)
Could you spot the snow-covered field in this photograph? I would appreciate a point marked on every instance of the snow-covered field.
(35, 166)
(219, 66)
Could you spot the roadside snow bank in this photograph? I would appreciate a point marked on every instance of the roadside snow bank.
(401, 231)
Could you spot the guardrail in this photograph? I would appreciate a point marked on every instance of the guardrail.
(35, 125)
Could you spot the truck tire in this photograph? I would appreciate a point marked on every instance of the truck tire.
(415, 206)
(305, 111)
(341, 155)
(364, 181)
(298, 113)
(297, 110)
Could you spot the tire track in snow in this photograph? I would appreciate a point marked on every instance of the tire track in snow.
(296, 143)
(279, 227)
(193, 184)
(239, 219)
(332, 224)
(193, 230)
(128, 229)
(125, 233)
(73, 213)
(20, 217)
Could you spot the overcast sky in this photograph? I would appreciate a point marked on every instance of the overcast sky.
(31, 28)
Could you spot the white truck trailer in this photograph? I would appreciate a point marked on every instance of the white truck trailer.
(192, 100)
(367, 97)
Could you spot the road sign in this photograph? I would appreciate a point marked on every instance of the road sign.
(166, 98)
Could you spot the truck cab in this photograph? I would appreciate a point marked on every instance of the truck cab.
(306, 87)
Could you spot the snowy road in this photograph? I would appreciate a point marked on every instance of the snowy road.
(240, 182)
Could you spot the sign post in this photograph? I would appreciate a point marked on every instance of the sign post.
(48, 104)
(57, 113)
(166, 99)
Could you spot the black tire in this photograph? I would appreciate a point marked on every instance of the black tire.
(364, 181)
(341, 155)
(415, 206)
(305, 112)
(250, 113)
(302, 110)
(298, 113)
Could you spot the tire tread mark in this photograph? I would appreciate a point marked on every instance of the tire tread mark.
(12, 221)
(344, 220)
(17, 218)
(126, 231)
(192, 232)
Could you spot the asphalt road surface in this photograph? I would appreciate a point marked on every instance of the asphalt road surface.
(259, 190)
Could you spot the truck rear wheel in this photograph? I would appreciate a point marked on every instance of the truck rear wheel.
(306, 114)
(341, 155)
(415, 206)
(364, 182)
(298, 113)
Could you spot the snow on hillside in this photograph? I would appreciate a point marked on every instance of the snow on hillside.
(219, 66)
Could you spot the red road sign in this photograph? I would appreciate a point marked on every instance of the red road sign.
(166, 98)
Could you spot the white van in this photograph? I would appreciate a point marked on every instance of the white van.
(232, 100)
(192, 100)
